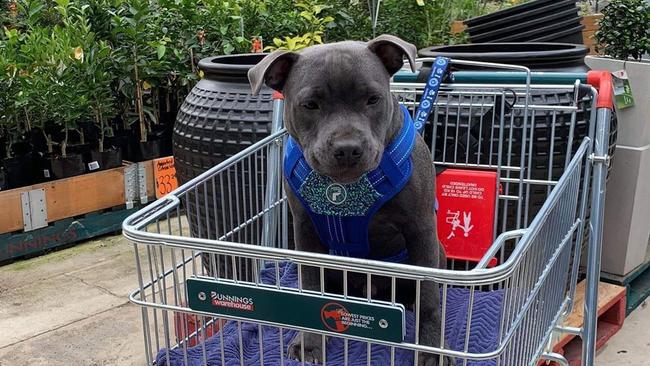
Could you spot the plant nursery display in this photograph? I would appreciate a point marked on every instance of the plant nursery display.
(85, 83)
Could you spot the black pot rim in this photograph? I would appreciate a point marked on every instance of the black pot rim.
(230, 65)
(68, 156)
(107, 148)
(510, 51)
(16, 158)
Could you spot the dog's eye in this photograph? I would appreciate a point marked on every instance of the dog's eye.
(373, 100)
(310, 105)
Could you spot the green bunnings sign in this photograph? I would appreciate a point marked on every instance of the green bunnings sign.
(330, 314)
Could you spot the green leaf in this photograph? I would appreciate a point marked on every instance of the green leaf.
(307, 15)
(35, 10)
(63, 3)
(291, 43)
(160, 50)
(151, 115)
(228, 48)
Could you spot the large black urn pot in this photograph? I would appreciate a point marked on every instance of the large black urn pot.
(547, 57)
(218, 119)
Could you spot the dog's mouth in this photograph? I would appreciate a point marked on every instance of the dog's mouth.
(349, 174)
(346, 178)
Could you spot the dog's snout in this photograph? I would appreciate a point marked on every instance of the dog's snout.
(347, 152)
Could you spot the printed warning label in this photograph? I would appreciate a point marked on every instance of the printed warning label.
(463, 190)
(465, 217)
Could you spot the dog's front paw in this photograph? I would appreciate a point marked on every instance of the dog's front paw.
(313, 351)
(430, 359)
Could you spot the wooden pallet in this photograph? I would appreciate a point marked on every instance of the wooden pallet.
(71, 197)
(637, 283)
(611, 315)
(77, 208)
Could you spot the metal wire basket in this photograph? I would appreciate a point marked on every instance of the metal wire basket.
(236, 215)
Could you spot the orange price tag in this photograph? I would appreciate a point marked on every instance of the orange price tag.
(165, 174)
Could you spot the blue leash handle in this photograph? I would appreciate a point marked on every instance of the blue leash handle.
(438, 71)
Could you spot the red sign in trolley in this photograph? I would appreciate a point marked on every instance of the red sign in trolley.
(465, 218)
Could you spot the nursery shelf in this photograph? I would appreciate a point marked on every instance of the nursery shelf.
(60, 212)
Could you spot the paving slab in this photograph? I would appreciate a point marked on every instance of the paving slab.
(111, 338)
(631, 345)
(50, 304)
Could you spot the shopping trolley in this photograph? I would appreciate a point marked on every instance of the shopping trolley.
(230, 228)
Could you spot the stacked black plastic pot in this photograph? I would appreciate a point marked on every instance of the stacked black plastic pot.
(535, 21)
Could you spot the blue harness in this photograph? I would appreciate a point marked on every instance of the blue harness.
(341, 213)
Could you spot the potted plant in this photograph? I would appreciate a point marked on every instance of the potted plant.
(135, 53)
(10, 131)
(53, 105)
(9, 124)
(97, 85)
(624, 36)
(67, 107)
(20, 161)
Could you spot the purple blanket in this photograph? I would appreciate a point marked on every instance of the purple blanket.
(483, 336)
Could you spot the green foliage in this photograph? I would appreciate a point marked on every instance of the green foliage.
(625, 29)
(118, 63)
(10, 121)
(315, 23)
(56, 70)
(423, 22)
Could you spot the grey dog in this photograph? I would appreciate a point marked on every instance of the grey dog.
(339, 109)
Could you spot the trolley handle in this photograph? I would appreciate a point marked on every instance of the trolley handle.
(602, 81)
(500, 77)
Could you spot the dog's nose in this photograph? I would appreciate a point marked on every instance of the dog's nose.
(347, 152)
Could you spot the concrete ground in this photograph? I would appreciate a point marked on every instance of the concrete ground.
(71, 307)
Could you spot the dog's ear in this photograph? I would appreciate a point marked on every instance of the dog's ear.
(272, 70)
(391, 51)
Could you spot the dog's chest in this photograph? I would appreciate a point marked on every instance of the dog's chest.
(385, 232)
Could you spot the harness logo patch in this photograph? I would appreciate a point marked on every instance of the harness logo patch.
(331, 315)
(336, 193)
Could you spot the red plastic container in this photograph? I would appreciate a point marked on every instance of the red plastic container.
(465, 217)
(188, 322)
